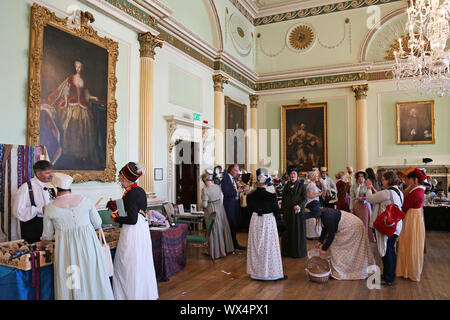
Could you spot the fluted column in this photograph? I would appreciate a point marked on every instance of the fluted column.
(219, 120)
(253, 132)
(148, 44)
(362, 148)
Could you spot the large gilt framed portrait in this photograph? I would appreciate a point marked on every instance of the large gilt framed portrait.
(71, 103)
(304, 135)
(415, 122)
(235, 133)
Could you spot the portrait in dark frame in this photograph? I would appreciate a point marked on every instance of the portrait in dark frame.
(235, 133)
(304, 136)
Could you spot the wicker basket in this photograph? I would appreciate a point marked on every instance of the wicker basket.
(321, 278)
(318, 270)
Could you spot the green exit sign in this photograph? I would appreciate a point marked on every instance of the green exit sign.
(197, 116)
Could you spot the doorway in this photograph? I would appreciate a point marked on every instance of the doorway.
(186, 173)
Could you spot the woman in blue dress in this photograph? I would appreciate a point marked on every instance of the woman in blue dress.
(71, 221)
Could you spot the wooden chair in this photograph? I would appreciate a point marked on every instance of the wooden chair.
(204, 240)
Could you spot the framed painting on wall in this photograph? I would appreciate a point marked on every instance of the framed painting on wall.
(415, 122)
(235, 133)
(72, 107)
(304, 135)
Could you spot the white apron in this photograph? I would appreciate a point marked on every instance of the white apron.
(134, 272)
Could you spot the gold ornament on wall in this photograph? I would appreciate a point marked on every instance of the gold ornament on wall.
(240, 32)
(301, 37)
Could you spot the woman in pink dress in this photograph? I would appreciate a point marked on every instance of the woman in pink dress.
(358, 204)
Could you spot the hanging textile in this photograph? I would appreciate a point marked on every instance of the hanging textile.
(16, 168)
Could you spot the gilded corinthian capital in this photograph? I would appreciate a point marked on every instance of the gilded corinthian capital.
(360, 91)
(148, 44)
(254, 100)
(219, 80)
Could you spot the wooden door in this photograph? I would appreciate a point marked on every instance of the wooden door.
(186, 174)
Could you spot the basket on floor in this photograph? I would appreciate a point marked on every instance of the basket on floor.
(318, 270)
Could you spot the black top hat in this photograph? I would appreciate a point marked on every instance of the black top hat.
(292, 168)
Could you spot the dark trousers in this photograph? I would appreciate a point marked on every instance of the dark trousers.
(233, 234)
(32, 230)
(233, 221)
(390, 260)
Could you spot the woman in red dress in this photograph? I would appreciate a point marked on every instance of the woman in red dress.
(412, 238)
(68, 113)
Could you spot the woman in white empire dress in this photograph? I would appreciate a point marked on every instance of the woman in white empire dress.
(134, 271)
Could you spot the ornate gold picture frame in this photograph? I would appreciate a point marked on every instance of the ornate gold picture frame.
(71, 102)
(235, 118)
(415, 122)
(304, 135)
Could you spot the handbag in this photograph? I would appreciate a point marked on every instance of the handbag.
(106, 253)
(386, 222)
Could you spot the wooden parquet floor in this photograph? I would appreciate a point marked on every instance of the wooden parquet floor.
(227, 279)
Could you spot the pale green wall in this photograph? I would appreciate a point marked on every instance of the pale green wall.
(185, 89)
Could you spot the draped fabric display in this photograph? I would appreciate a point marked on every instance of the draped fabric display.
(16, 163)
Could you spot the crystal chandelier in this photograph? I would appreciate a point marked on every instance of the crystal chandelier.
(422, 56)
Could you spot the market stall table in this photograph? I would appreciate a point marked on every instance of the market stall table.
(169, 256)
(169, 251)
(16, 284)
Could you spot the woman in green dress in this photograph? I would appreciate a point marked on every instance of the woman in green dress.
(220, 240)
(71, 221)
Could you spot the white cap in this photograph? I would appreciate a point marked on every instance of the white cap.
(262, 178)
(61, 180)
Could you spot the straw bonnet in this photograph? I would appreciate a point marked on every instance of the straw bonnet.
(62, 180)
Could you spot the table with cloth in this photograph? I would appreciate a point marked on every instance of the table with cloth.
(169, 251)
(437, 217)
(169, 256)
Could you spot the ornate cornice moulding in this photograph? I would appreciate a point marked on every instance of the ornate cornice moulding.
(318, 10)
(290, 6)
